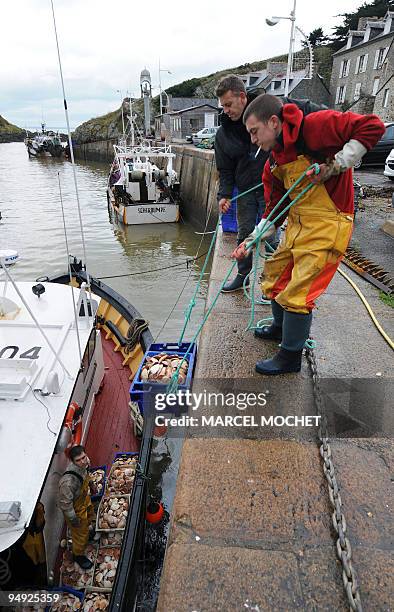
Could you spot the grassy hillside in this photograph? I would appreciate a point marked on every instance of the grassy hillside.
(110, 125)
(10, 132)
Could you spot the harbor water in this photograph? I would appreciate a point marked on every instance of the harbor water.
(146, 264)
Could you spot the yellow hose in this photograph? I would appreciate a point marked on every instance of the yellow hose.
(367, 306)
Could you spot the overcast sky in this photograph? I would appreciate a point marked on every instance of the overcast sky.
(105, 44)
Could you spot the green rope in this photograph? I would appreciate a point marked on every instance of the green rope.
(192, 303)
(172, 387)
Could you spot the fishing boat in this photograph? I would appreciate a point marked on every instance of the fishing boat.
(69, 346)
(139, 191)
(44, 144)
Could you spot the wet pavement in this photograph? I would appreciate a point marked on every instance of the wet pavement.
(251, 525)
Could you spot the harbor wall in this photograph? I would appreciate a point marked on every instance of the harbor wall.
(197, 175)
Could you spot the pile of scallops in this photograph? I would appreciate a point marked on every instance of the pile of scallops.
(95, 601)
(113, 512)
(97, 481)
(105, 570)
(66, 603)
(161, 368)
(72, 574)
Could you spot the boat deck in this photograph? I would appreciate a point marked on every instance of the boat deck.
(110, 429)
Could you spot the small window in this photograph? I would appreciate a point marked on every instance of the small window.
(385, 98)
(345, 68)
(357, 90)
(375, 86)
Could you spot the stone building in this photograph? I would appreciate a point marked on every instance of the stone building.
(183, 116)
(272, 80)
(361, 78)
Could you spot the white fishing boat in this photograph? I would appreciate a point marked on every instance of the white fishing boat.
(68, 349)
(44, 144)
(143, 187)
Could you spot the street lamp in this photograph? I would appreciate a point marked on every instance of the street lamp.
(272, 21)
(161, 99)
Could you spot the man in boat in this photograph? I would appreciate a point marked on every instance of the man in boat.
(76, 504)
(319, 225)
(238, 167)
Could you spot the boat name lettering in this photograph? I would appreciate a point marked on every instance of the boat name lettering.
(31, 353)
(157, 209)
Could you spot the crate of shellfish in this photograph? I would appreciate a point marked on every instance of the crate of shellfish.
(69, 599)
(160, 363)
(98, 477)
(72, 575)
(95, 599)
(112, 513)
(105, 569)
(121, 477)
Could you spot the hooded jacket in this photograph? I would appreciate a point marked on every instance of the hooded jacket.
(235, 157)
(322, 135)
(235, 154)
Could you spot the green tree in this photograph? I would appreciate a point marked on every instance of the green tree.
(377, 8)
(317, 38)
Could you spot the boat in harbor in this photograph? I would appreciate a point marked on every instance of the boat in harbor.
(139, 191)
(69, 347)
(45, 144)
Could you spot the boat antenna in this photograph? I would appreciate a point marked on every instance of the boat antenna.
(71, 149)
(69, 270)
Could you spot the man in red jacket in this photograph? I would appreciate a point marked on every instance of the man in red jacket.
(319, 224)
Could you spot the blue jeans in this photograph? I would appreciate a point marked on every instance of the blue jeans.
(250, 209)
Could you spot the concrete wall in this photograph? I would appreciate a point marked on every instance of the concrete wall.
(196, 172)
(101, 150)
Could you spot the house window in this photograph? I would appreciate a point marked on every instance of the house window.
(357, 90)
(345, 67)
(361, 63)
(385, 98)
(375, 86)
(380, 56)
(341, 92)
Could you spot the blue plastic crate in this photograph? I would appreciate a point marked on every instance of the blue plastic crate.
(143, 392)
(92, 469)
(125, 454)
(229, 219)
(65, 589)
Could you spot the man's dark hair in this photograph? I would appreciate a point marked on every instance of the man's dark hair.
(75, 451)
(230, 82)
(263, 107)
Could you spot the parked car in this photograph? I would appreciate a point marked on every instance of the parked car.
(378, 154)
(203, 134)
(389, 166)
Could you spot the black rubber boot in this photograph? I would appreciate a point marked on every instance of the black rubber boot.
(236, 284)
(295, 332)
(282, 363)
(273, 331)
(83, 561)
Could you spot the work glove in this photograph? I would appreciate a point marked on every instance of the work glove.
(346, 158)
(76, 521)
(266, 233)
(242, 250)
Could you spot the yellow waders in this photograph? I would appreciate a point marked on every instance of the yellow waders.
(314, 243)
(34, 544)
(85, 512)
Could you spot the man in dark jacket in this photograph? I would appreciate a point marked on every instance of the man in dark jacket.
(238, 166)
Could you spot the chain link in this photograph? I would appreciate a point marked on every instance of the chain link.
(344, 549)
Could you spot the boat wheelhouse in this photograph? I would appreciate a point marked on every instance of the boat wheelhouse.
(142, 184)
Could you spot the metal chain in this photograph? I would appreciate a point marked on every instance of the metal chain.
(344, 549)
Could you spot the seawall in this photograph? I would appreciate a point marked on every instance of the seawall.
(197, 175)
